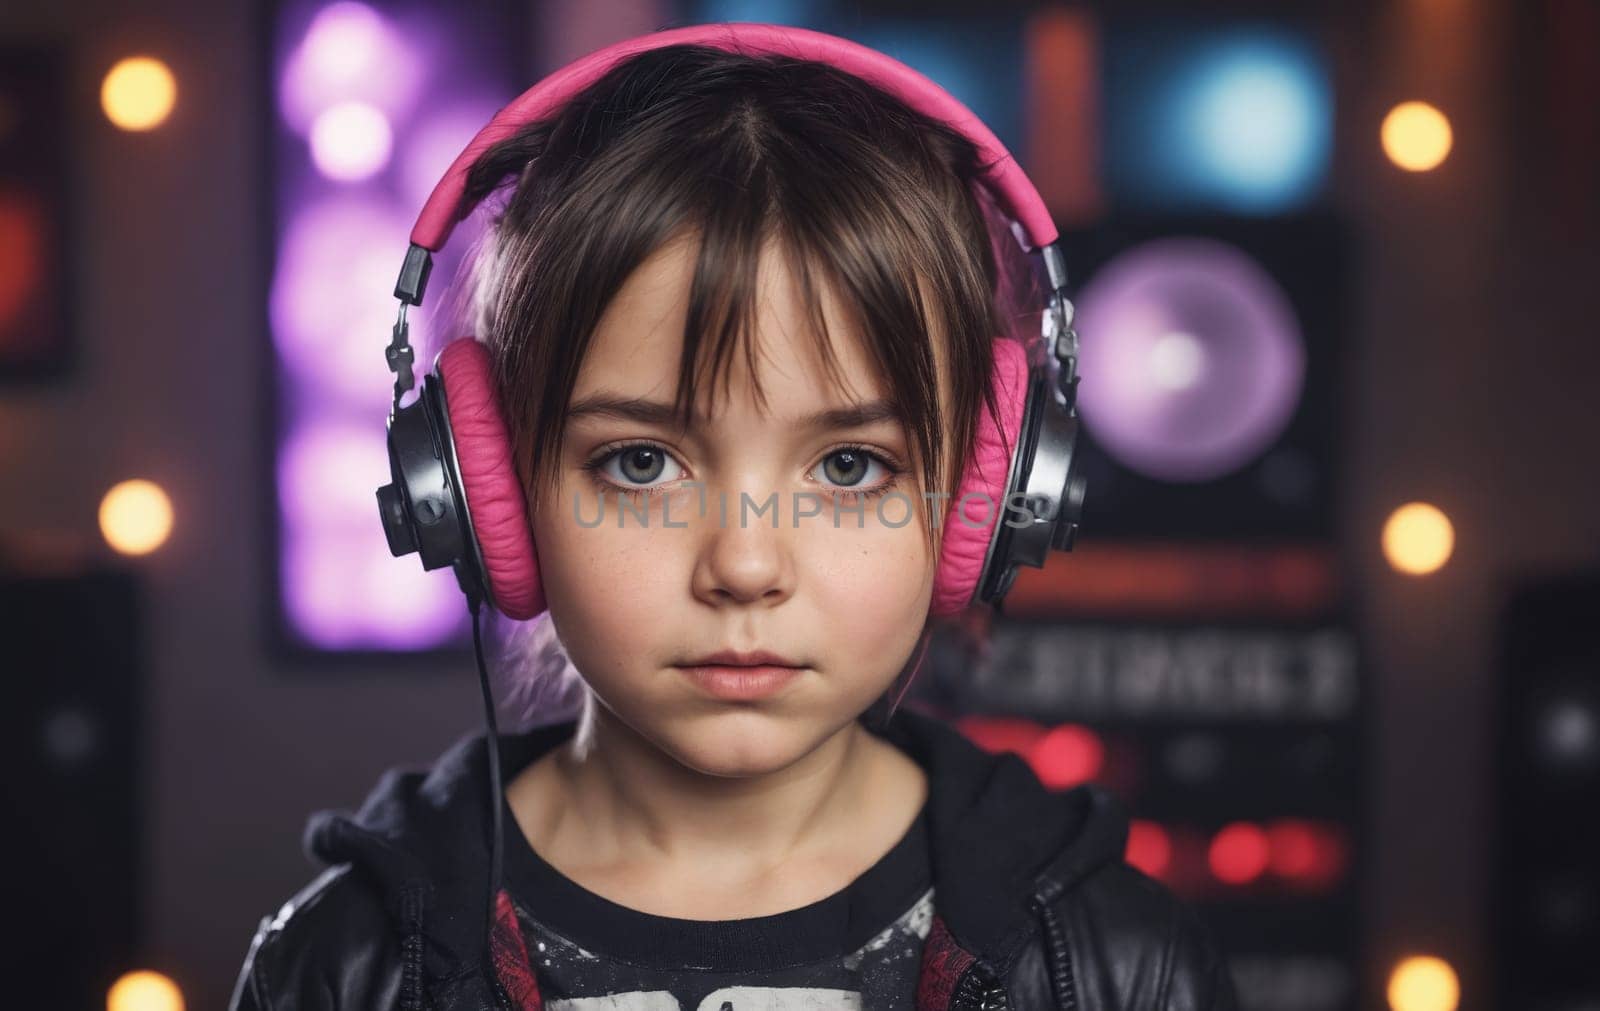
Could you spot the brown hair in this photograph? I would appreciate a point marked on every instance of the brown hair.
(865, 194)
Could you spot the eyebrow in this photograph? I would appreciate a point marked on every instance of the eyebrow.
(654, 412)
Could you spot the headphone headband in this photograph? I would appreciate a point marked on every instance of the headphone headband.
(1017, 194)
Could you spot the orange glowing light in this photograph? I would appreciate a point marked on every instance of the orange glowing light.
(1416, 136)
(1418, 538)
(144, 990)
(138, 93)
(136, 517)
(1424, 983)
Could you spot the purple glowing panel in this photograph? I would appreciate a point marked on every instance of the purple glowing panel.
(374, 102)
(329, 471)
(436, 137)
(349, 53)
(342, 587)
(343, 590)
(1192, 359)
(332, 299)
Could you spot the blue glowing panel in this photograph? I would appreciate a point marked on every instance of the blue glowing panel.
(979, 61)
(1236, 119)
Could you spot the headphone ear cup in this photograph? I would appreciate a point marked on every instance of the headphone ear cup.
(497, 511)
(965, 545)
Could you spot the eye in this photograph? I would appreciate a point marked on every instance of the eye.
(850, 467)
(638, 465)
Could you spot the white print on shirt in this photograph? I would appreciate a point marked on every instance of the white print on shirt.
(729, 998)
(915, 922)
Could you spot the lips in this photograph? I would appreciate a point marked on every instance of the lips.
(733, 658)
(733, 676)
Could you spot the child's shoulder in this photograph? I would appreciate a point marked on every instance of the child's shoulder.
(329, 946)
(1127, 919)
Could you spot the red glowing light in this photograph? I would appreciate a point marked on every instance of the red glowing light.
(22, 241)
(1305, 852)
(1066, 756)
(1239, 853)
(1149, 848)
(1000, 733)
(1294, 849)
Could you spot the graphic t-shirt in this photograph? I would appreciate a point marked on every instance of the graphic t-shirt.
(858, 948)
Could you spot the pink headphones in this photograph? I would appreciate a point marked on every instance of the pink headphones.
(455, 498)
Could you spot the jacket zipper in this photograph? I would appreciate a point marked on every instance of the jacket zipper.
(980, 989)
(1058, 957)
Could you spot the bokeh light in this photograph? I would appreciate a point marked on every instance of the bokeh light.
(1568, 734)
(1066, 756)
(144, 990)
(136, 517)
(1292, 848)
(1424, 983)
(1149, 847)
(1238, 853)
(1418, 538)
(350, 53)
(351, 141)
(138, 93)
(1306, 854)
(1416, 136)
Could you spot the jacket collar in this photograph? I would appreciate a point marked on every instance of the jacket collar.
(997, 837)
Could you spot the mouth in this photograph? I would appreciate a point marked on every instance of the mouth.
(733, 658)
(742, 677)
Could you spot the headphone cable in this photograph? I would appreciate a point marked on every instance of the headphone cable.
(496, 800)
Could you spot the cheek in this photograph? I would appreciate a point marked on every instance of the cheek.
(876, 572)
(607, 588)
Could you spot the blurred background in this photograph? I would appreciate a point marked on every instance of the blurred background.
(1331, 627)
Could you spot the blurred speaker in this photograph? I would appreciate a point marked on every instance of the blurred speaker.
(69, 733)
(1547, 858)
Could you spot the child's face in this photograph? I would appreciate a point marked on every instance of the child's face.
(845, 599)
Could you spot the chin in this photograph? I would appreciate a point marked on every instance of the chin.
(740, 741)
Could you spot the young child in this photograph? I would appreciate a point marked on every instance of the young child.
(750, 319)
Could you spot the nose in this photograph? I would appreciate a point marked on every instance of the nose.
(744, 559)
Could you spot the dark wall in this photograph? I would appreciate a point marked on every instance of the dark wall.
(1473, 357)
(170, 276)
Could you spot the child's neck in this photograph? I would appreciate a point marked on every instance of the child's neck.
(626, 820)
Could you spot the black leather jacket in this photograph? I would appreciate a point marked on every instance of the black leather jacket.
(1035, 909)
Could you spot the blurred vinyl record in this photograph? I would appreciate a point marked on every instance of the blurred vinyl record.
(1212, 354)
